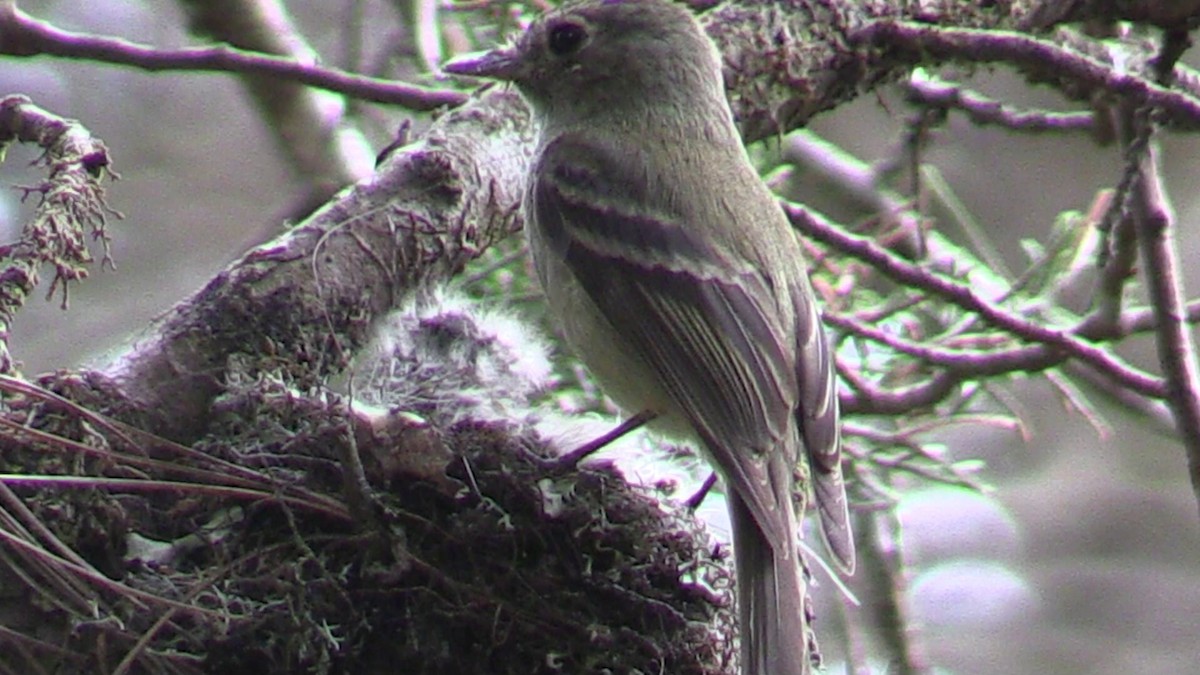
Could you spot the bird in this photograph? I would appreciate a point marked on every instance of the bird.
(675, 276)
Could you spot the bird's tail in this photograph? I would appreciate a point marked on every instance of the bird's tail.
(770, 599)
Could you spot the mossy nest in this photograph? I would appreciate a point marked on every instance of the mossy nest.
(455, 550)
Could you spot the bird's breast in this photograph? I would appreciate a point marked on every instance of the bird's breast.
(621, 372)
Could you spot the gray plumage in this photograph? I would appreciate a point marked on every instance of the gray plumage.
(449, 358)
(677, 279)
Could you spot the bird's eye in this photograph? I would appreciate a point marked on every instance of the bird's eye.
(566, 38)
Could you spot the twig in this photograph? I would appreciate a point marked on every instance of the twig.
(71, 208)
(321, 143)
(1154, 221)
(914, 276)
(142, 599)
(892, 607)
(1153, 218)
(869, 399)
(1037, 55)
(23, 35)
(929, 90)
(975, 362)
(149, 485)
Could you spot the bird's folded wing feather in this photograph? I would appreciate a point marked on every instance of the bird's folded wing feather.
(704, 321)
(820, 427)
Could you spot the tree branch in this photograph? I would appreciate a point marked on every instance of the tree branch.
(912, 275)
(309, 126)
(23, 35)
(309, 296)
(71, 208)
(1074, 73)
(1154, 221)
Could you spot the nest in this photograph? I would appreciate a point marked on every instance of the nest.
(303, 536)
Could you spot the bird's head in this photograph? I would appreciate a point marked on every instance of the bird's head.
(595, 55)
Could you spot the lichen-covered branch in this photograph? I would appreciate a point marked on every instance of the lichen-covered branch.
(71, 209)
(308, 298)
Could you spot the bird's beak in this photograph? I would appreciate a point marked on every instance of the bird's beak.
(498, 64)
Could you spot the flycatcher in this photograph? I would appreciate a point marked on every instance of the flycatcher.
(676, 277)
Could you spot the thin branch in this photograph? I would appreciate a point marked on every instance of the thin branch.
(23, 35)
(968, 362)
(1144, 319)
(929, 90)
(914, 276)
(71, 209)
(1117, 256)
(891, 609)
(142, 598)
(1155, 412)
(1154, 220)
(310, 127)
(864, 183)
(870, 399)
(1044, 59)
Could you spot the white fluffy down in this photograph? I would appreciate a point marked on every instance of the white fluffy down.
(447, 356)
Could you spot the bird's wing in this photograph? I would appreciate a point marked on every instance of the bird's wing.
(706, 322)
(820, 427)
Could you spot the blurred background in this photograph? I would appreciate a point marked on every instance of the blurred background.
(1082, 558)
